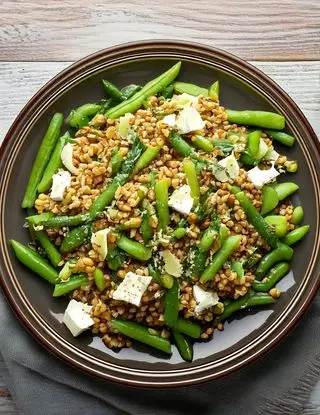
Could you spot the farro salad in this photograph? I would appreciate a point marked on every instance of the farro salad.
(159, 213)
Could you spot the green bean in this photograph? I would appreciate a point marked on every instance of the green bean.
(50, 249)
(151, 88)
(184, 346)
(171, 304)
(180, 145)
(42, 158)
(259, 299)
(230, 245)
(179, 233)
(79, 117)
(223, 233)
(282, 252)
(270, 199)
(203, 143)
(191, 89)
(103, 200)
(161, 192)
(285, 189)
(282, 137)
(112, 91)
(129, 90)
(146, 229)
(75, 238)
(254, 143)
(237, 267)
(297, 215)
(192, 180)
(274, 275)
(142, 334)
(60, 221)
(279, 223)
(207, 239)
(252, 260)
(116, 162)
(99, 279)
(295, 235)
(214, 91)
(73, 283)
(262, 119)
(167, 92)
(147, 157)
(54, 164)
(134, 248)
(188, 327)
(34, 261)
(36, 220)
(255, 218)
(247, 159)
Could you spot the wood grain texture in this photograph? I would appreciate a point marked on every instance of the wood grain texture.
(67, 30)
(7, 407)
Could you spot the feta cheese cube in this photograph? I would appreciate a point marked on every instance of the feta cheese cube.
(100, 238)
(172, 264)
(261, 177)
(189, 120)
(181, 200)
(66, 158)
(170, 120)
(228, 168)
(204, 299)
(60, 181)
(77, 317)
(132, 288)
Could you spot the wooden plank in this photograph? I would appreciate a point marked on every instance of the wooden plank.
(7, 406)
(68, 30)
(20, 80)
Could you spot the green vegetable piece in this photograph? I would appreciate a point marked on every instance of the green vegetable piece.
(291, 166)
(115, 258)
(191, 89)
(171, 304)
(180, 145)
(229, 246)
(50, 249)
(255, 218)
(129, 90)
(262, 119)
(75, 238)
(270, 199)
(247, 159)
(134, 248)
(203, 143)
(253, 143)
(60, 221)
(147, 157)
(237, 267)
(275, 274)
(297, 215)
(282, 137)
(151, 88)
(42, 158)
(192, 180)
(223, 233)
(259, 299)
(80, 116)
(285, 189)
(142, 334)
(184, 346)
(36, 220)
(75, 282)
(162, 198)
(99, 279)
(214, 91)
(279, 223)
(179, 233)
(167, 92)
(116, 162)
(34, 261)
(112, 91)
(188, 327)
(146, 229)
(282, 252)
(67, 270)
(207, 239)
(295, 235)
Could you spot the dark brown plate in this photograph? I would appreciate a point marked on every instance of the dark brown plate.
(248, 335)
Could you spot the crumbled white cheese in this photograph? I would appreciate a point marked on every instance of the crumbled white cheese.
(100, 238)
(172, 265)
(271, 155)
(132, 288)
(261, 177)
(189, 120)
(184, 100)
(124, 125)
(170, 120)
(204, 299)
(229, 169)
(66, 158)
(77, 317)
(60, 181)
(181, 200)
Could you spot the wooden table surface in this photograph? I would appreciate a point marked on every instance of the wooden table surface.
(39, 38)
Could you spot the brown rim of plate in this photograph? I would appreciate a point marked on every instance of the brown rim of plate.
(165, 378)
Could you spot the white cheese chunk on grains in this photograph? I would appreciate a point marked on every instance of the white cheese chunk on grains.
(204, 299)
(181, 200)
(66, 158)
(184, 100)
(188, 120)
(100, 238)
(77, 317)
(124, 125)
(229, 169)
(60, 181)
(170, 120)
(261, 177)
(131, 289)
(172, 265)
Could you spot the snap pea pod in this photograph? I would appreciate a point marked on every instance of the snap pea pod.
(36, 220)
(281, 137)
(74, 282)
(134, 248)
(184, 346)
(167, 92)
(147, 157)
(112, 91)
(179, 233)
(285, 189)
(214, 91)
(203, 143)
(151, 88)
(191, 89)
(270, 199)
(54, 164)
(116, 162)
(180, 145)
(262, 119)
(274, 275)
(50, 249)
(142, 334)
(166, 280)
(75, 238)
(247, 159)
(60, 221)
(230, 245)
(42, 158)
(188, 327)
(279, 223)
(34, 261)
(80, 116)
(129, 90)
(295, 235)
(282, 252)
(146, 228)
(259, 299)
(253, 143)
(256, 219)
(162, 207)
(171, 304)
(207, 239)
(99, 279)
(192, 180)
